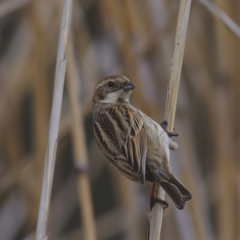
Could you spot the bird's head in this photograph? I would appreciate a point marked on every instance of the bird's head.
(113, 89)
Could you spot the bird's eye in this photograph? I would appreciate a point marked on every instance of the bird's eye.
(110, 84)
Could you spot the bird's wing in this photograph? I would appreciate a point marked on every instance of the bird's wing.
(120, 133)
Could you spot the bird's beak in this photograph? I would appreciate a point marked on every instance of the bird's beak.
(128, 86)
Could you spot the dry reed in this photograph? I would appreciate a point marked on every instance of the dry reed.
(51, 150)
(133, 38)
(80, 150)
(156, 215)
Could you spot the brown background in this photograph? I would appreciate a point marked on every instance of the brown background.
(134, 38)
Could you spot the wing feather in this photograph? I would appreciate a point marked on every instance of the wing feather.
(119, 130)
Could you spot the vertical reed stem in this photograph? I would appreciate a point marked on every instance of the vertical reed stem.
(51, 150)
(80, 149)
(156, 214)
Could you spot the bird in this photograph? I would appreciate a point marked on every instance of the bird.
(134, 143)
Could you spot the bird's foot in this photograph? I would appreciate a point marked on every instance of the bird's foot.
(159, 200)
(170, 134)
(164, 124)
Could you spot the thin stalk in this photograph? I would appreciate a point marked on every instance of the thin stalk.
(156, 214)
(80, 149)
(41, 104)
(222, 16)
(51, 150)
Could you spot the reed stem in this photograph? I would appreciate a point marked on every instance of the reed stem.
(51, 149)
(156, 215)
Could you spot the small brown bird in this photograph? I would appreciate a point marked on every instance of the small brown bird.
(133, 142)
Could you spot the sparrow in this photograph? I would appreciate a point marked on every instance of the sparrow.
(135, 144)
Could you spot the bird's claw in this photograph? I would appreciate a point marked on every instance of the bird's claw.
(159, 200)
(170, 134)
(164, 124)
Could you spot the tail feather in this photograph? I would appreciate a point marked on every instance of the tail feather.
(184, 191)
(178, 193)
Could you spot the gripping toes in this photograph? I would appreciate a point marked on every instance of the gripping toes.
(159, 200)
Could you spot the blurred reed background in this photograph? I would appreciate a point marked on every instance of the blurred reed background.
(133, 38)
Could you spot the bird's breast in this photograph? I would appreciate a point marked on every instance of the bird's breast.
(157, 138)
(158, 146)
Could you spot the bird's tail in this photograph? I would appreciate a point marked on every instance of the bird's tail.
(178, 193)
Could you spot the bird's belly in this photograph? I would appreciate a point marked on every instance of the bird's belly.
(155, 160)
(158, 166)
(158, 156)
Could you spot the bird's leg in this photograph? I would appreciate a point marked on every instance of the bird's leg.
(154, 199)
(159, 200)
(164, 126)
